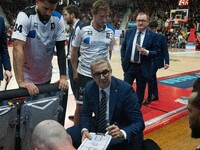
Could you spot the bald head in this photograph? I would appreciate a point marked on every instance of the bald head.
(49, 134)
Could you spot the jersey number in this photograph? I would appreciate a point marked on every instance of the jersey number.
(18, 28)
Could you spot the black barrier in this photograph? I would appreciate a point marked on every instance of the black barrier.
(17, 97)
(14, 93)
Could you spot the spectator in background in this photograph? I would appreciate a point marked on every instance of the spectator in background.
(121, 37)
(50, 135)
(71, 16)
(160, 61)
(4, 58)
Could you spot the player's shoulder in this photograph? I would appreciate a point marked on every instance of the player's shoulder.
(109, 26)
(57, 14)
(30, 10)
(82, 25)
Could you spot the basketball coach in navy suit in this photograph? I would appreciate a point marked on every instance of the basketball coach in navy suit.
(123, 119)
(160, 61)
(4, 55)
(139, 47)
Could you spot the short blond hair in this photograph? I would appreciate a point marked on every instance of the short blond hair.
(100, 5)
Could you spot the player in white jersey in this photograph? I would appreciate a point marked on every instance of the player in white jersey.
(38, 29)
(71, 15)
(94, 39)
(92, 43)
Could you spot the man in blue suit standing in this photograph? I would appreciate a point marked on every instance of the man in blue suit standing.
(138, 49)
(160, 61)
(4, 58)
(123, 117)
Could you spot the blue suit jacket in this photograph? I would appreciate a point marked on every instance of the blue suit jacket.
(124, 108)
(150, 43)
(4, 56)
(163, 57)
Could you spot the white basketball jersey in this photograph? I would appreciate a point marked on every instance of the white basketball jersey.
(92, 43)
(40, 43)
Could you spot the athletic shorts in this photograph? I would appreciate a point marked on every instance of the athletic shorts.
(82, 81)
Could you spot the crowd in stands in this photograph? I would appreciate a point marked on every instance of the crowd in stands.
(158, 10)
(11, 9)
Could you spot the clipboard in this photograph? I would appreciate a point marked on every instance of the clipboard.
(98, 142)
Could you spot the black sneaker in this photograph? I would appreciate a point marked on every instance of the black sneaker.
(71, 117)
(147, 101)
(155, 99)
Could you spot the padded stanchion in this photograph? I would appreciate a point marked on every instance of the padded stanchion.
(14, 93)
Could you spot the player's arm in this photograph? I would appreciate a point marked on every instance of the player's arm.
(60, 46)
(111, 46)
(74, 61)
(75, 47)
(110, 54)
(18, 63)
(18, 60)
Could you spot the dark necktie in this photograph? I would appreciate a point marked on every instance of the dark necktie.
(102, 113)
(137, 52)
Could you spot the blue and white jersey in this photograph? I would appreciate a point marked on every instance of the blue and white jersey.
(92, 43)
(40, 42)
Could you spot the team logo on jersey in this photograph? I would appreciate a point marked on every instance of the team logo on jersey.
(108, 35)
(52, 26)
(89, 32)
(86, 40)
(35, 25)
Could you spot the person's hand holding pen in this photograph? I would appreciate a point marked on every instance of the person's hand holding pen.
(114, 131)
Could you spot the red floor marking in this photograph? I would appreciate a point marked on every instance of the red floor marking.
(165, 105)
(167, 97)
(149, 113)
(158, 123)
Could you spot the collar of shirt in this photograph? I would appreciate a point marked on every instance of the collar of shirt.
(142, 33)
(107, 90)
(75, 23)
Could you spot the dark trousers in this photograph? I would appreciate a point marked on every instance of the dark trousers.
(134, 72)
(153, 84)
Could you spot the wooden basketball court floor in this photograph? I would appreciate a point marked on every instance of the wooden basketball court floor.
(173, 136)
